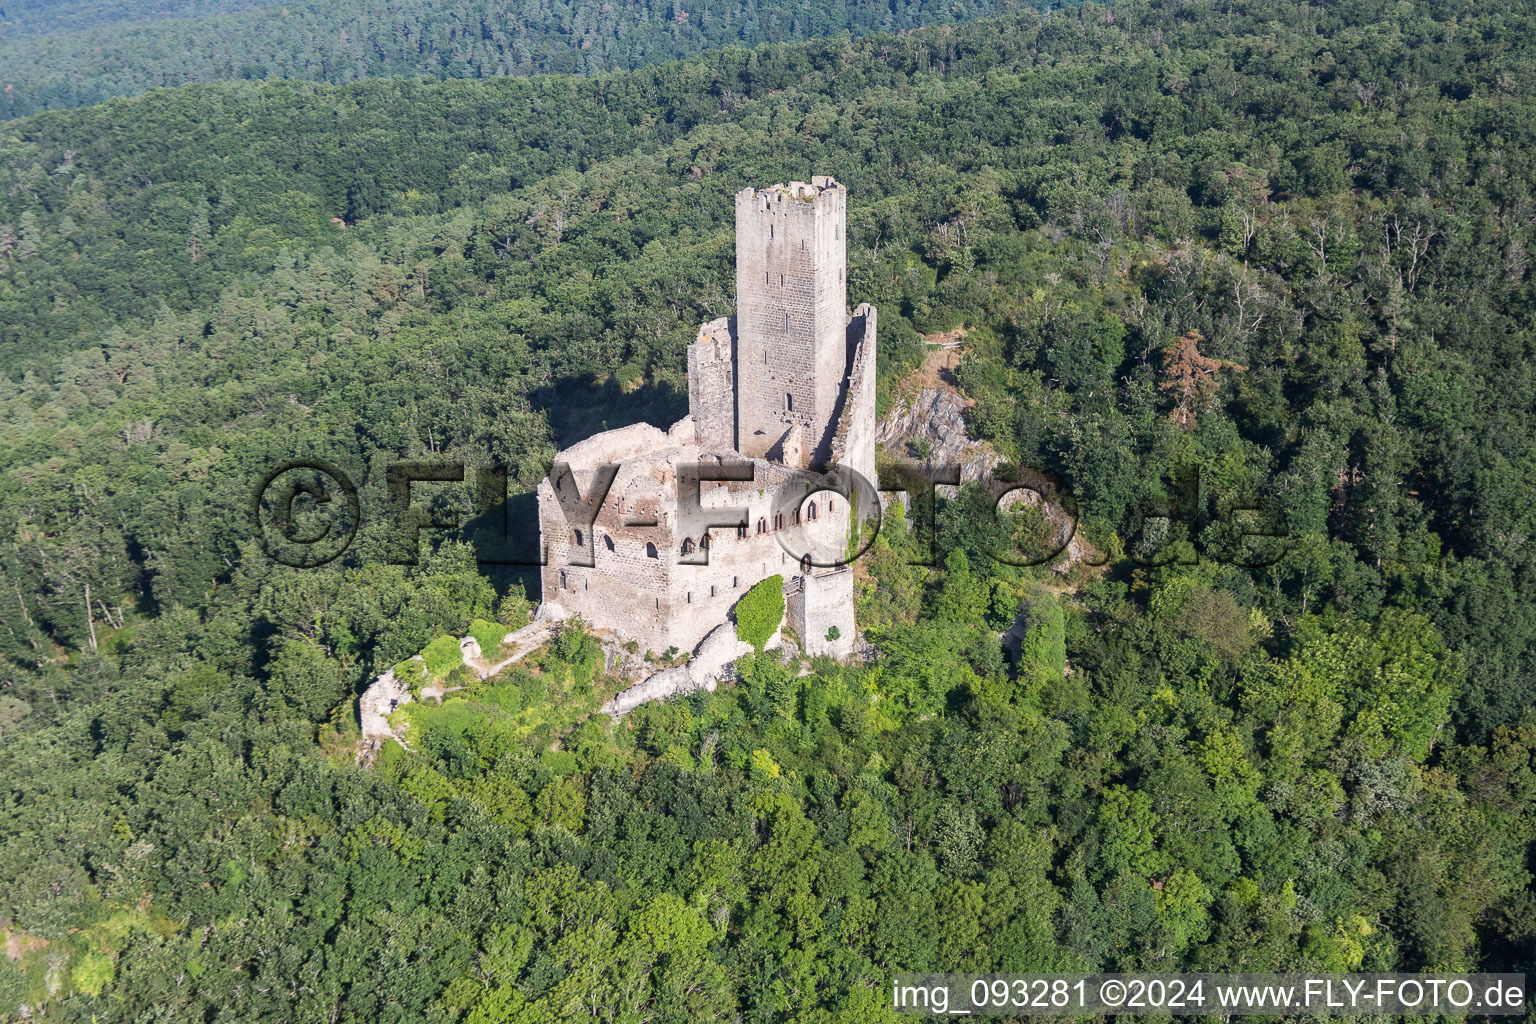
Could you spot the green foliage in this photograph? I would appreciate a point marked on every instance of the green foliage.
(340, 41)
(962, 596)
(563, 802)
(1043, 651)
(442, 656)
(1321, 764)
(577, 650)
(760, 611)
(91, 973)
(411, 672)
(488, 635)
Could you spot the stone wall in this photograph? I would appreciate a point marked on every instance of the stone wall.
(791, 308)
(712, 384)
(853, 445)
(640, 570)
(709, 663)
(815, 603)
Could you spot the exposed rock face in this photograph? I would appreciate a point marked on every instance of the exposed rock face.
(936, 417)
(933, 420)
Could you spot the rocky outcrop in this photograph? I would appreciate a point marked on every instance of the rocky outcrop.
(933, 421)
(928, 427)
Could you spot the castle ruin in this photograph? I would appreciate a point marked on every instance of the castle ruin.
(778, 394)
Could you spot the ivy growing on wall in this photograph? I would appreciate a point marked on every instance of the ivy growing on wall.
(760, 611)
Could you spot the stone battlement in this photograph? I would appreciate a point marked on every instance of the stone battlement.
(819, 185)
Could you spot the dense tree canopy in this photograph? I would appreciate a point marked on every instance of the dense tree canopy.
(1214, 261)
(112, 50)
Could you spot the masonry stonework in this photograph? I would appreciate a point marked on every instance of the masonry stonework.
(792, 312)
(776, 394)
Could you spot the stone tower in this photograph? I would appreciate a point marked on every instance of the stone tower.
(785, 385)
(791, 319)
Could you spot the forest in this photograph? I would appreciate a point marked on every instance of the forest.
(105, 49)
(1207, 256)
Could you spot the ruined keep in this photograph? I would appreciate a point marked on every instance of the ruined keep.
(784, 387)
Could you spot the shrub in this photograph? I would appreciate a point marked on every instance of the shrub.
(1044, 648)
(515, 610)
(760, 611)
(441, 655)
(488, 635)
(410, 673)
(92, 973)
(576, 647)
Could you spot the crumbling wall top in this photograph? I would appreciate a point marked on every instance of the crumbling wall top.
(638, 441)
(819, 185)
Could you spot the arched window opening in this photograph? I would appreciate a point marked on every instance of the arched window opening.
(650, 550)
(562, 579)
(687, 545)
(810, 511)
(704, 543)
(607, 542)
(805, 564)
(762, 526)
(778, 520)
(794, 516)
(741, 531)
(831, 504)
(789, 402)
(578, 538)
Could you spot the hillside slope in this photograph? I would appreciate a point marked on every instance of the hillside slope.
(1212, 260)
(339, 41)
